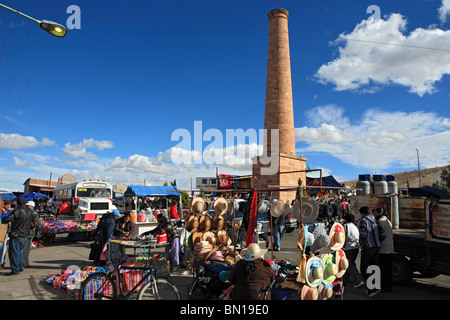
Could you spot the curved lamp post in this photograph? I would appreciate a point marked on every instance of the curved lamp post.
(51, 27)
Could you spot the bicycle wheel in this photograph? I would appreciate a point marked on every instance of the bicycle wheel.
(97, 286)
(159, 289)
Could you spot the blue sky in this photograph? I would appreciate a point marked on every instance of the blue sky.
(104, 101)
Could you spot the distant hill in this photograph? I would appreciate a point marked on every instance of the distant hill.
(427, 176)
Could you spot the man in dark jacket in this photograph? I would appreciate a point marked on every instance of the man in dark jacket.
(21, 219)
(105, 232)
(371, 234)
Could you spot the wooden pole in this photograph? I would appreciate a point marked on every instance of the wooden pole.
(271, 226)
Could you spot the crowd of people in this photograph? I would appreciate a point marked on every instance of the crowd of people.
(370, 236)
(19, 223)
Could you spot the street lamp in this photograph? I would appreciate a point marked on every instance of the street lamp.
(51, 27)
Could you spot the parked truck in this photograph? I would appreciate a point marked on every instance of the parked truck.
(421, 233)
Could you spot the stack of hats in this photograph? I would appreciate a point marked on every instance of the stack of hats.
(317, 274)
(209, 240)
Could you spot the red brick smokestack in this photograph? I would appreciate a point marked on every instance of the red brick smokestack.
(279, 112)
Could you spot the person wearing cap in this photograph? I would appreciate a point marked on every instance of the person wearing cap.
(31, 234)
(251, 274)
(20, 220)
(4, 241)
(105, 232)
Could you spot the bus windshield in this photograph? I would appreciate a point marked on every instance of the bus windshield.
(94, 192)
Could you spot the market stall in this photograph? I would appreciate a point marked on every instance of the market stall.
(318, 274)
(145, 203)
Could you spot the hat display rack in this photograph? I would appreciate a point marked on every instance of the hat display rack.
(316, 273)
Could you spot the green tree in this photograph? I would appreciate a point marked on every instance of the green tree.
(184, 199)
(445, 180)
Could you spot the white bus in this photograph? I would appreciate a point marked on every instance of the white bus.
(93, 197)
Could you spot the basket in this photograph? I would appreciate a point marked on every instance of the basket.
(161, 268)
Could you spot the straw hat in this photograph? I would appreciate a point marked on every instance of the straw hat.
(210, 237)
(310, 210)
(305, 238)
(325, 211)
(325, 291)
(314, 271)
(220, 206)
(252, 252)
(287, 209)
(197, 205)
(309, 293)
(217, 256)
(222, 237)
(218, 222)
(277, 208)
(337, 236)
(192, 223)
(202, 249)
(330, 269)
(204, 223)
(195, 238)
(341, 263)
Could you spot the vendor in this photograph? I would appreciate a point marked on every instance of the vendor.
(173, 212)
(124, 226)
(173, 238)
(251, 274)
(76, 213)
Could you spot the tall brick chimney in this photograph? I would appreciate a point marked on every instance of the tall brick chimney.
(279, 110)
(279, 114)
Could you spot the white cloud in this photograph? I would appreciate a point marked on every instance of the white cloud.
(380, 53)
(16, 141)
(80, 150)
(141, 164)
(382, 139)
(21, 163)
(444, 11)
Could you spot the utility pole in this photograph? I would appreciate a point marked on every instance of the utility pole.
(418, 166)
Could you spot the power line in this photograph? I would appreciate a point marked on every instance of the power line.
(4, 37)
(28, 81)
(249, 29)
(29, 77)
(15, 75)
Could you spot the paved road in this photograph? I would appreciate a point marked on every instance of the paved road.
(51, 259)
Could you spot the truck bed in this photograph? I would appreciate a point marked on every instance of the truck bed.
(410, 233)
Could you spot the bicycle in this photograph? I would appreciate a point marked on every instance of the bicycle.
(266, 290)
(101, 285)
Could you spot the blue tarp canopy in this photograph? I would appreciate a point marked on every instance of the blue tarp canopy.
(142, 191)
(32, 195)
(7, 195)
(328, 181)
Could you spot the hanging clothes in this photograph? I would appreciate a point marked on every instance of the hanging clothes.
(252, 218)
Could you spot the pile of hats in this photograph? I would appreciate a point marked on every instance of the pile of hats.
(209, 239)
(318, 274)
